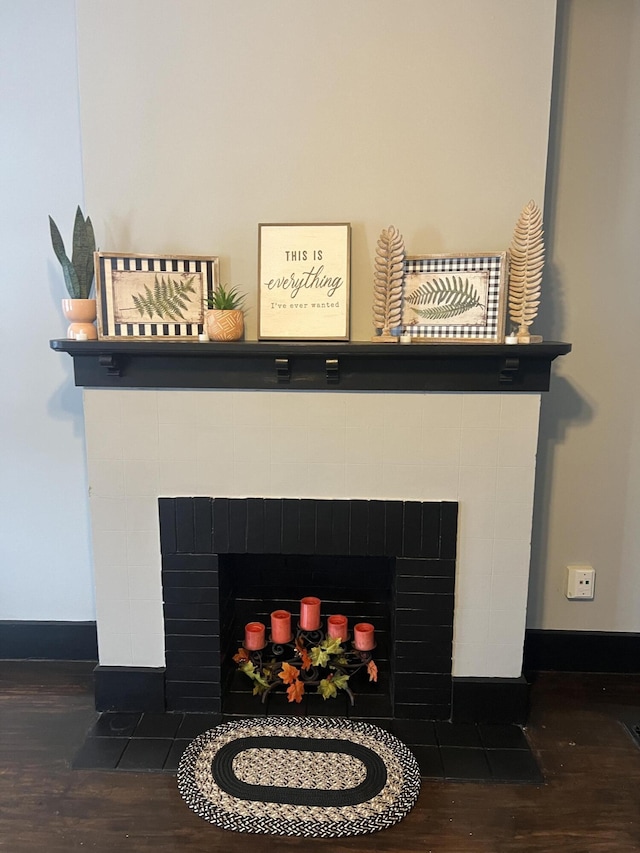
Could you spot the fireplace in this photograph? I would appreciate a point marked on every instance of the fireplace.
(292, 422)
(228, 561)
(476, 450)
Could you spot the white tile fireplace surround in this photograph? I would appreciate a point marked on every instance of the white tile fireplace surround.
(474, 448)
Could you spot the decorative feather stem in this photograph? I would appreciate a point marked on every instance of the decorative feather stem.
(387, 283)
(525, 270)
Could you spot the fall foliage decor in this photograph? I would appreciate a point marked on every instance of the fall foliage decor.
(310, 660)
(525, 271)
(387, 283)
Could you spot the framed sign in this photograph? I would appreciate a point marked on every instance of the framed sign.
(151, 296)
(454, 297)
(303, 282)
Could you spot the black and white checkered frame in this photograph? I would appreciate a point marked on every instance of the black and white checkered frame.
(206, 270)
(493, 330)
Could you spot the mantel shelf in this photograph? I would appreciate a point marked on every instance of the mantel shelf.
(348, 366)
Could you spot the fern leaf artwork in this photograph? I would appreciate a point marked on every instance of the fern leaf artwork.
(168, 299)
(443, 299)
(387, 283)
(525, 271)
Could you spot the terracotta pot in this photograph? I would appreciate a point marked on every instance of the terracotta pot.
(82, 313)
(224, 325)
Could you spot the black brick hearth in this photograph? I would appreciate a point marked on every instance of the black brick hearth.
(390, 562)
(445, 751)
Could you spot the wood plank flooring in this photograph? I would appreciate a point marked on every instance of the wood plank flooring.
(589, 803)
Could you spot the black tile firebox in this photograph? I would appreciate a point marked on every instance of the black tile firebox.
(407, 549)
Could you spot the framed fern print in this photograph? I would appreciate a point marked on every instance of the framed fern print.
(148, 297)
(454, 297)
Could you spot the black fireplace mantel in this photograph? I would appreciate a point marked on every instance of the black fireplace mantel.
(347, 366)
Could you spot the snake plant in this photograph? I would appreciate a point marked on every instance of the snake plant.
(78, 272)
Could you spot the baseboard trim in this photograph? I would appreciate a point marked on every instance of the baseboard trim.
(30, 640)
(560, 651)
(581, 651)
(494, 701)
(129, 688)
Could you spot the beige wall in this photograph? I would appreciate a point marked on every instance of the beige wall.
(201, 119)
(371, 121)
(588, 499)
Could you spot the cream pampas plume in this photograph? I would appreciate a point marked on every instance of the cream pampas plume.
(525, 270)
(387, 283)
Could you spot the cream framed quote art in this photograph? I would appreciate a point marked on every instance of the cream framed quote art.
(304, 281)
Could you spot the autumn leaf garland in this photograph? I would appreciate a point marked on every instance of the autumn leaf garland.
(322, 654)
(291, 675)
(305, 660)
(329, 686)
(372, 669)
(329, 654)
(260, 683)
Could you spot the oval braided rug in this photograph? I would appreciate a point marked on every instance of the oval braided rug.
(319, 777)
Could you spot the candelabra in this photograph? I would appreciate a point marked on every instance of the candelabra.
(334, 663)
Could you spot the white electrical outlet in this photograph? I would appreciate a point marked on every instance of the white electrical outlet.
(580, 582)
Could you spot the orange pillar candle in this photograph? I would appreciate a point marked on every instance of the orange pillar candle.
(337, 626)
(254, 636)
(310, 613)
(363, 636)
(280, 626)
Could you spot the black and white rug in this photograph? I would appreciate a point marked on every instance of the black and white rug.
(316, 777)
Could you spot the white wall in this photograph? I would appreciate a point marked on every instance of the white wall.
(588, 499)
(476, 449)
(45, 562)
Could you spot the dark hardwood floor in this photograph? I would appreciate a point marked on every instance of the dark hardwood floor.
(590, 801)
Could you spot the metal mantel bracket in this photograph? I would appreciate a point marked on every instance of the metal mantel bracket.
(509, 369)
(333, 371)
(112, 364)
(283, 370)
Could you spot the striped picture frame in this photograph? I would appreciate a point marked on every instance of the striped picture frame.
(454, 297)
(150, 297)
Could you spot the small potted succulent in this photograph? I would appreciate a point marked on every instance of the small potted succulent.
(224, 321)
(78, 276)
